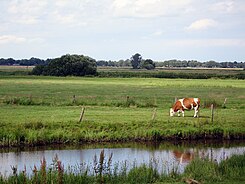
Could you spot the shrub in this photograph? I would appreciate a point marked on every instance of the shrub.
(75, 65)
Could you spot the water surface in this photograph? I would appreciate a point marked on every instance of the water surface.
(165, 156)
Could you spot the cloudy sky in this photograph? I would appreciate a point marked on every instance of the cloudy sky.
(116, 29)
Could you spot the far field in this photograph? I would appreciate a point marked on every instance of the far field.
(45, 110)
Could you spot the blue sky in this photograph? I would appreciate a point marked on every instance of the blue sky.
(116, 29)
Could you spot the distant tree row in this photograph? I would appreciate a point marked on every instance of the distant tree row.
(136, 62)
(194, 63)
(23, 62)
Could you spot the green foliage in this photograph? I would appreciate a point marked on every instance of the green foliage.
(136, 60)
(233, 167)
(19, 101)
(76, 65)
(147, 64)
(230, 170)
(142, 174)
(202, 170)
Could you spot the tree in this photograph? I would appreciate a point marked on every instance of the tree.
(147, 64)
(136, 60)
(211, 64)
(76, 65)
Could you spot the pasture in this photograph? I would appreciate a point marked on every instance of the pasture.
(46, 110)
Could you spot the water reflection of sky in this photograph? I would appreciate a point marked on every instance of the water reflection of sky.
(165, 160)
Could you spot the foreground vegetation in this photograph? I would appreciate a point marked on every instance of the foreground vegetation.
(46, 110)
(231, 170)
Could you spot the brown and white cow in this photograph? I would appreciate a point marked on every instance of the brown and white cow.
(185, 104)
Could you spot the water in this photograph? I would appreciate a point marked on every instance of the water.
(166, 156)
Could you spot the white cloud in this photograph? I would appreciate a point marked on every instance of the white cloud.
(25, 11)
(69, 18)
(202, 24)
(208, 42)
(4, 39)
(157, 33)
(13, 39)
(223, 6)
(148, 8)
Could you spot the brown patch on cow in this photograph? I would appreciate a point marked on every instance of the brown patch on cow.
(188, 102)
(177, 106)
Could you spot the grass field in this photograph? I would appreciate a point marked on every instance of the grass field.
(185, 73)
(43, 110)
(126, 72)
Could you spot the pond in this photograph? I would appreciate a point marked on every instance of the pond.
(165, 156)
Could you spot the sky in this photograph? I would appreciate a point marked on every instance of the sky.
(160, 30)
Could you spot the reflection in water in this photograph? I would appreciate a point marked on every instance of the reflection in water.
(166, 158)
(183, 156)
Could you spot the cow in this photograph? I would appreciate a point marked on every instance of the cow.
(185, 104)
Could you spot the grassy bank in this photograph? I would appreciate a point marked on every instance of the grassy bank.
(231, 170)
(46, 110)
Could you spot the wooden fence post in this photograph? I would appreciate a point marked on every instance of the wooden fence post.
(224, 103)
(73, 99)
(212, 113)
(81, 115)
(154, 114)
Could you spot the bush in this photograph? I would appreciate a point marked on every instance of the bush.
(75, 65)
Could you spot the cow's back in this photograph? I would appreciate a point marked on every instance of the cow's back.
(189, 103)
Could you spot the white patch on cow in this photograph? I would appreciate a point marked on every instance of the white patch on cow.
(196, 108)
(182, 103)
(196, 100)
(171, 112)
(196, 112)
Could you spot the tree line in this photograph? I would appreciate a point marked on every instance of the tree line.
(24, 62)
(136, 62)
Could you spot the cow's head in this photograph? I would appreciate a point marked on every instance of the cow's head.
(171, 112)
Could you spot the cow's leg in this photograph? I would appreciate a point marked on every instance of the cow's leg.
(179, 113)
(183, 113)
(196, 111)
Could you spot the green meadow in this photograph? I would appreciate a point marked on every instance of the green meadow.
(38, 110)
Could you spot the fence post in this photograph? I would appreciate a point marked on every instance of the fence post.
(81, 115)
(73, 99)
(224, 103)
(212, 113)
(154, 114)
